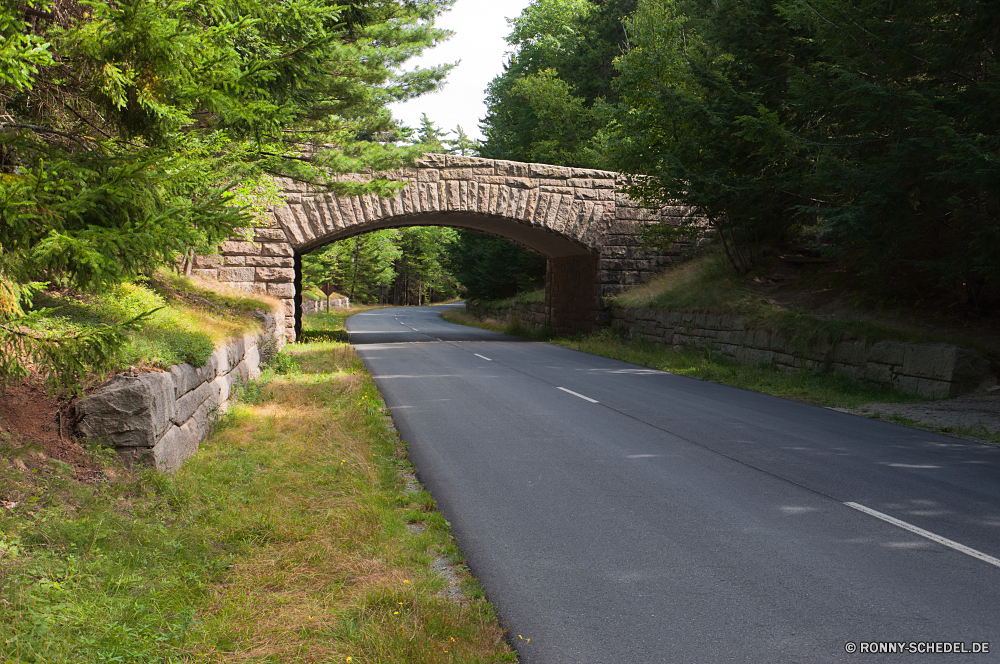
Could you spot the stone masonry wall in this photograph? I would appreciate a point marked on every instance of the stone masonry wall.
(529, 313)
(931, 370)
(161, 418)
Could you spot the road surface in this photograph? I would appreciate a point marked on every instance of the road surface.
(615, 513)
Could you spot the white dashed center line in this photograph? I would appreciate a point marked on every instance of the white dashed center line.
(578, 395)
(926, 533)
(483, 356)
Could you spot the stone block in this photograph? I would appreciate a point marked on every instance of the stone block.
(428, 175)
(206, 274)
(281, 290)
(269, 235)
(275, 274)
(854, 353)
(185, 407)
(457, 174)
(878, 373)
(888, 352)
(235, 261)
(207, 262)
(269, 261)
(240, 248)
(128, 411)
(185, 379)
(172, 449)
(944, 362)
(277, 249)
(241, 274)
(235, 350)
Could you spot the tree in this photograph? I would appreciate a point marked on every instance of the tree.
(870, 120)
(685, 90)
(430, 138)
(491, 268)
(550, 103)
(462, 144)
(126, 127)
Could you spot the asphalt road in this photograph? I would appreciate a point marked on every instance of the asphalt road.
(619, 514)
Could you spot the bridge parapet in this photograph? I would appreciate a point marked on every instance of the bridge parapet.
(575, 217)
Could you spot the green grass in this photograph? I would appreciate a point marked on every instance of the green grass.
(191, 318)
(329, 326)
(706, 283)
(980, 434)
(825, 389)
(284, 540)
(514, 326)
(530, 297)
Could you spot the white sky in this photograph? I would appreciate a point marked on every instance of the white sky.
(480, 27)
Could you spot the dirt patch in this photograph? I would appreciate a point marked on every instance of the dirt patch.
(971, 415)
(30, 417)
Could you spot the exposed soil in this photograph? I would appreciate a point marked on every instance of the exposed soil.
(30, 417)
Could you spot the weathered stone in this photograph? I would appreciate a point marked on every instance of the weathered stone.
(270, 261)
(269, 235)
(207, 262)
(245, 248)
(128, 411)
(277, 249)
(275, 274)
(240, 274)
(284, 290)
(185, 407)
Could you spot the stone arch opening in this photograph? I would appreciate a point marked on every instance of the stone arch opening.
(572, 293)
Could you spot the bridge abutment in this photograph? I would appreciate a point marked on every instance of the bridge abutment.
(572, 294)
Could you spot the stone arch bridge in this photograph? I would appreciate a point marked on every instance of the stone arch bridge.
(574, 217)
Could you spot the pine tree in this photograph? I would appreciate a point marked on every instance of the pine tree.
(430, 138)
(462, 144)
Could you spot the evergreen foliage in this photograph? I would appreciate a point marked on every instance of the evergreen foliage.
(551, 101)
(872, 121)
(410, 262)
(493, 269)
(135, 132)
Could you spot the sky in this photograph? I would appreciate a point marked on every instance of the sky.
(480, 27)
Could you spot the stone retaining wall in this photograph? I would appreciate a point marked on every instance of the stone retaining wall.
(161, 418)
(530, 313)
(932, 370)
(316, 306)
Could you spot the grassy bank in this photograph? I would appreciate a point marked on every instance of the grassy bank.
(190, 318)
(808, 309)
(830, 389)
(514, 326)
(825, 389)
(294, 535)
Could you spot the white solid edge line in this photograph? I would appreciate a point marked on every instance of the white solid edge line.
(483, 356)
(575, 394)
(925, 533)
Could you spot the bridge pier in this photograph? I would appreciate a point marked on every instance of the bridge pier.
(572, 297)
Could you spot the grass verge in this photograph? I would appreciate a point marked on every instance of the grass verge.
(515, 326)
(293, 536)
(979, 434)
(826, 389)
